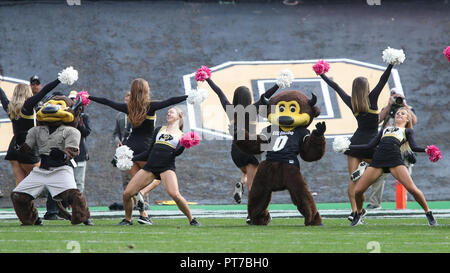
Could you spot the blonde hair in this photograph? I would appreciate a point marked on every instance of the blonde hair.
(409, 114)
(360, 95)
(139, 101)
(21, 93)
(180, 117)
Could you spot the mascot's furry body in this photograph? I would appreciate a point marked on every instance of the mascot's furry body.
(57, 140)
(286, 137)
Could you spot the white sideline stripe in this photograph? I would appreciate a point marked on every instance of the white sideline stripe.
(439, 213)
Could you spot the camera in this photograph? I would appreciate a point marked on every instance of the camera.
(398, 100)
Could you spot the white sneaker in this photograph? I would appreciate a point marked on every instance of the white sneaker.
(238, 191)
(359, 171)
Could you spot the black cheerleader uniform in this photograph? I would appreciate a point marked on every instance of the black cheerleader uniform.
(140, 137)
(367, 122)
(387, 153)
(24, 122)
(161, 154)
(240, 158)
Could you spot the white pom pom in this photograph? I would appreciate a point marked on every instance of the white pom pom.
(393, 56)
(285, 78)
(197, 96)
(124, 155)
(124, 164)
(341, 144)
(68, 76)
(124, 152)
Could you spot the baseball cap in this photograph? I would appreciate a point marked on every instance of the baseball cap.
(35, 79)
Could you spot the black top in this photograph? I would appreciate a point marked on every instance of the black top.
(379, 139)
(286, 145)
(225, 102)
(159, 154)
(26, 118)
(139, 138)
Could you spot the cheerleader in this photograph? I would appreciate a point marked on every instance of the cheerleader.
(247, 163)
(388, 158)
(21, 112)
(160, 165)
(141, 112)
(363, 104)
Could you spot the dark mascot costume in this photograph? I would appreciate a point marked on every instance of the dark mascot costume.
(289, 113)
(57, 140)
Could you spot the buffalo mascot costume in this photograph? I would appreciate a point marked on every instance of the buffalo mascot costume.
(57, 140)
(290, 113)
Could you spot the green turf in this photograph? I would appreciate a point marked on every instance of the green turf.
(285, 235)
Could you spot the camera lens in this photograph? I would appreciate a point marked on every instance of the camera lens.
(399, 100)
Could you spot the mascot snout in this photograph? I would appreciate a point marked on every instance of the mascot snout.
(285, 120)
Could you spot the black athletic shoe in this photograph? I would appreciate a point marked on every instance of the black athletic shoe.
(125, 222)
(363, 213)
(357, 220)
(431, 220)
(38, 222)
(350, 217)
(145, 220)
(194, 222)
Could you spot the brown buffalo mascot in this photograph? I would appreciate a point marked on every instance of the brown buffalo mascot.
(57, 140)
(289, 113)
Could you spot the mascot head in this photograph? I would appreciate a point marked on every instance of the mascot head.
(292, 109)
(60, 110)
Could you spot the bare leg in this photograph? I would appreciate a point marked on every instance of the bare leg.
(170, 182)
(402, 175)
(137, 165)
(368, 178)
(19, 174)
(27, 168)
(139, 181)
(145, 191)
(150, 187)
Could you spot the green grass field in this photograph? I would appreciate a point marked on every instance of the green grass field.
(228, 235)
